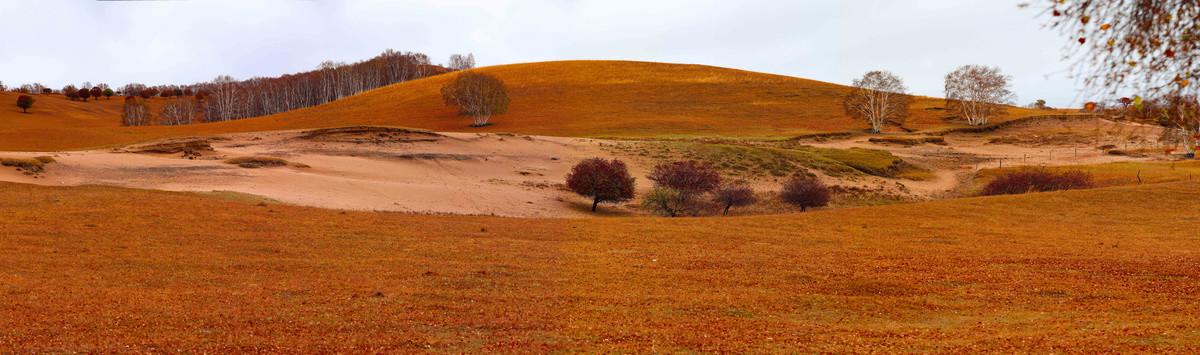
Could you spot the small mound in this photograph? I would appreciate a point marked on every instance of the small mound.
(186, 145)
(908, 141)
(371, 134)
(29, 166)
(257, 162)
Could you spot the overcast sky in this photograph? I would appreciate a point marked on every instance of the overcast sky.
(57, 42)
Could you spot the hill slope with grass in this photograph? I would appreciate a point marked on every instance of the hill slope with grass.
(1114, 273)
(568, 98)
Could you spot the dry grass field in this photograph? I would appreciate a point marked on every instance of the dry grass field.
(105, 269)
(568, 98)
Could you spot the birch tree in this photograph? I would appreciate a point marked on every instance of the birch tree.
(878, 97)
(477, 95)
(461, 62)
(977, 92)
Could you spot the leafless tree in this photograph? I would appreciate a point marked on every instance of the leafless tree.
(978, 92)
(135, 112)
(477, 95)
(670, 202)
(878, 97)
(179, 111)
(461, 62)
(1144, 46)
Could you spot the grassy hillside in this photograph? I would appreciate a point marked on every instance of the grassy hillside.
(570, 98)
(1117, 272)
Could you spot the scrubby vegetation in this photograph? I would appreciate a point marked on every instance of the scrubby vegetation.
(257, 162)
(31, 165)
(1031, 180)
(805, 192)
(602, 180)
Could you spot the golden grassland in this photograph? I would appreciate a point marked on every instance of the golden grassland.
(567, 98)
(118, 270)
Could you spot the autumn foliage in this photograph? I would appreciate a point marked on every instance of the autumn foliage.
(25, 102)
(602, 180)
(733, 196)
(805, 192)
(478, 95)
(686, 176)
(1029, 180)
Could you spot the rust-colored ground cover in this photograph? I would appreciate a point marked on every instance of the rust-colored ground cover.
(568, 98)
(110, 269)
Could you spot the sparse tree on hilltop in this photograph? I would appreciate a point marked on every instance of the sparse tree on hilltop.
(461, 62)
(733, 196)
(135, 112)
(977, 92)
(878, 97)
(805, 192)
(25, 102)
(602, 180)
(108, 93)
(96, 92)
(477, 95)
(83, 93)
(179, 111)
(70, 92)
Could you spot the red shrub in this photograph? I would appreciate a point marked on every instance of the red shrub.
(686, 176)
(805, 192)
(25, 102)
(83, 94)
(730, 195)
(602, 180)
(1029, 180)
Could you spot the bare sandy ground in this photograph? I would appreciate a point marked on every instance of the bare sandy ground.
(456, 173)
(501, 174)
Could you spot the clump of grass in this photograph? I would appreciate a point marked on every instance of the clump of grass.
(45, 159)
(1029, 180)
(29, 165)
(256, 162)
(908, 140)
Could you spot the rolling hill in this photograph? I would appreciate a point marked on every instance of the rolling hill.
(568, 98)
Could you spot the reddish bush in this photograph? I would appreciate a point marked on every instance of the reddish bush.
(96, 92)
(686, 176)
(25, 102)
(730, 195)
(1029, 180)
(805, 192)
(83, 94)
(602, 180)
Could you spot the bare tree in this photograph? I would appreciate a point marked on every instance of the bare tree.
(671, 202)
(878, 97)
(179, 111)
(1146, 46)
(135, 112)
(477, 95)
(978, 92)
(461, 62)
